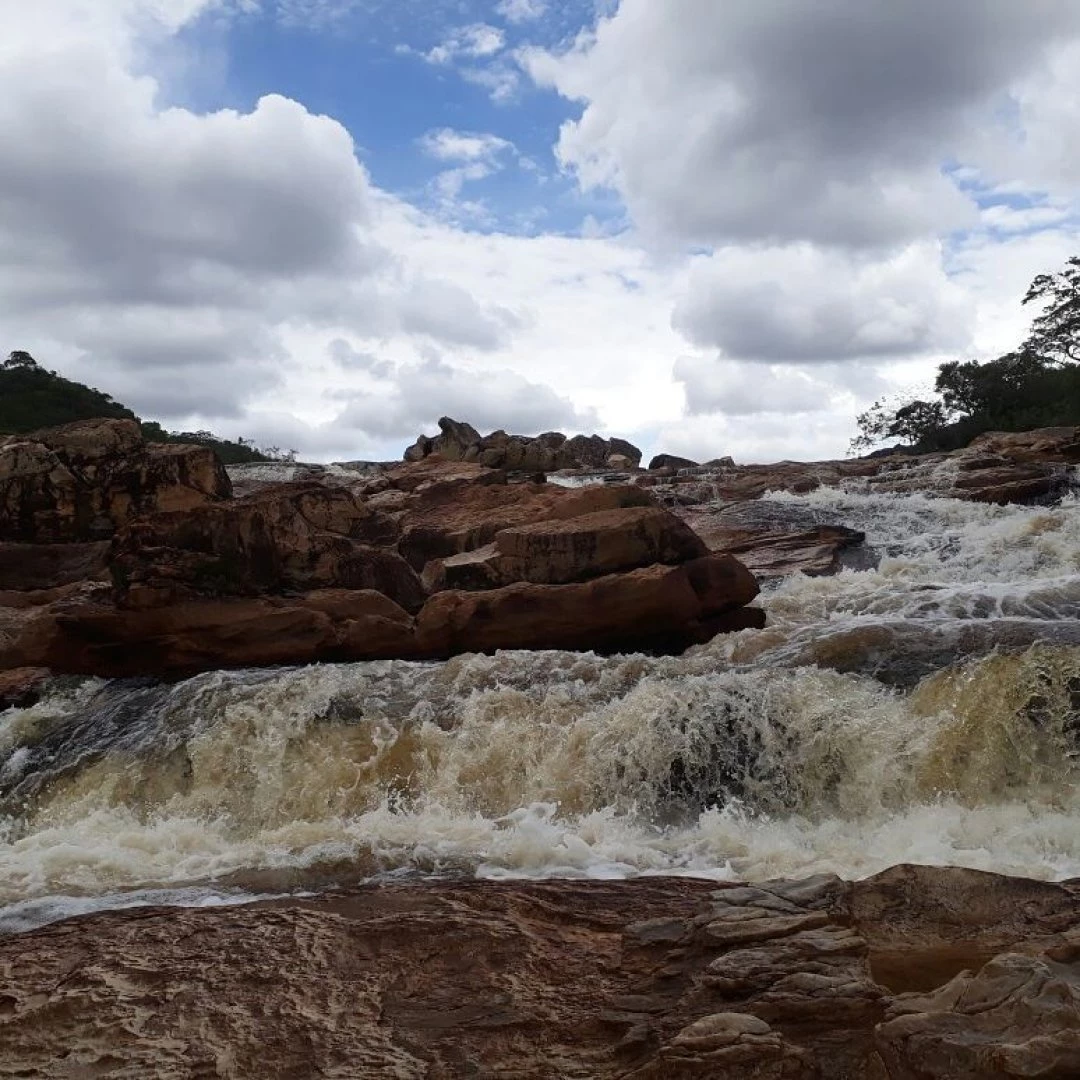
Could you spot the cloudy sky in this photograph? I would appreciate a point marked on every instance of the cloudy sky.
(709, 227)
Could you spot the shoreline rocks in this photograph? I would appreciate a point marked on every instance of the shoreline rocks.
(121, 558)
(361, 567)
(935, 973)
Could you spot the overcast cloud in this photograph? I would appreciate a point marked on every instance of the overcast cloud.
(799, 180)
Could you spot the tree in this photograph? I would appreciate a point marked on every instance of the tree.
(1055, 334)
(19, 360)
(913, 423)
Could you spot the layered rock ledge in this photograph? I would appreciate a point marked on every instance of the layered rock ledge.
(916, 974)
(117, 559)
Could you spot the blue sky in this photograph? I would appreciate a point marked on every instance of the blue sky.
(709, 227)
(370, 66)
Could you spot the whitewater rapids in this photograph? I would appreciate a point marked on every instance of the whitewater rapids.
(925, 710)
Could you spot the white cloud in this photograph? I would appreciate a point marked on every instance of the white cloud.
(446, 144)
(783, 122)
(521, 11)
(720, 386)
(467, 42)
(240, 270)
(803, 304)
(492, 398)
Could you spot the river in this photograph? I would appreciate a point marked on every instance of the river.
(924, 708)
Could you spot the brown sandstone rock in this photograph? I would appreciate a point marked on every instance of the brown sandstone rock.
(48, 566)
(575, 549)
(1060, 444)
(548, 452)
(290, 538)
(651, 979)
(663, 608)
(21, 687)
(82, 481)
(88, 635)
(446, 521)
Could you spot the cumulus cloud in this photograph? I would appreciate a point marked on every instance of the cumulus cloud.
(788, 121)
(804, 304)
(718, 386)
(161, 252)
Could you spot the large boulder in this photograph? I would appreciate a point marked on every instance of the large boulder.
(660, 608)
(557, 552)
(446, 520)
(550, 451)
(291, 538)
(82, 481)
(87, 634)
(1060, 444)
(671, 461)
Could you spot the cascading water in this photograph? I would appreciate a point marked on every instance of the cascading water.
(926, 710)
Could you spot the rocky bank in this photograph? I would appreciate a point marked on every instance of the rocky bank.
(915, 974)
(122, 558)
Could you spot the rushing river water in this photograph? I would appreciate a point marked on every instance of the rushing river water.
(926, 710)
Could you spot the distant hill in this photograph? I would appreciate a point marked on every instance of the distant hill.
(32, 398)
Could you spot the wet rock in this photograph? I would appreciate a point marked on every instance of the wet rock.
(655, 978)
(576, 549)
(26, 567)
(82, 481)
(89, 635)
(21, 687)
(661, 608)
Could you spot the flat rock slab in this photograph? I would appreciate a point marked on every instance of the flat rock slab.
(917, 973)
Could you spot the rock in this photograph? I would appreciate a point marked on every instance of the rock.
(445, 521)
(423, 475)
(660, 608)
(82, 481)
(89, 635)
(620, 462)
(21, 687)
(1060, 444)
(671, 461)
(575, 549)
(286, 538)
(651, 979)
(548, 452)
(48, 566)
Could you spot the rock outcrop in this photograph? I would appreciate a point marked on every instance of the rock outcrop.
(418, 560)
(671, 461)
(83, 481)
(662, 608)
(919, 973)
(521, 453)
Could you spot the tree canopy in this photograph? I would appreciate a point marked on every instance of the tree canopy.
(1038, 385)
(32, 398)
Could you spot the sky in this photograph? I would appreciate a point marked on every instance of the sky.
(711, 228)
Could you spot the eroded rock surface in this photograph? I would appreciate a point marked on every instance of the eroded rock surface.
(82, 481)
(917, 973)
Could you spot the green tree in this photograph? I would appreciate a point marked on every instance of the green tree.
(1055, 333)
(1038, 385)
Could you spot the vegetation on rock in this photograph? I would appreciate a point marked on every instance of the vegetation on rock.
(32, 398)
(1036, 386)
